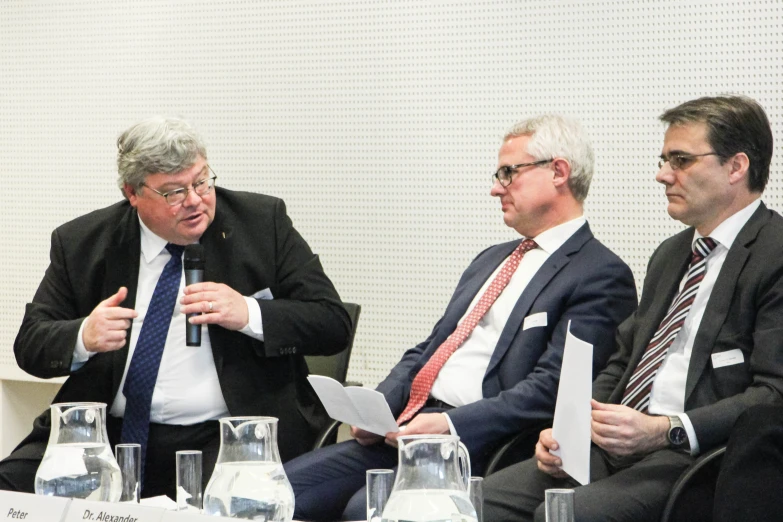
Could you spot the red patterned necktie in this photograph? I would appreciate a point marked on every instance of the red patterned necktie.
(422, 383)
(637, 391)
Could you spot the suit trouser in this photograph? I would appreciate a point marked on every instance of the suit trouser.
(751, 475)
(18, 474)
(329, 483)
(618, 491)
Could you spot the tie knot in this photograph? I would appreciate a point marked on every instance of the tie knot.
(703, 246)
(526, 246)
(175, 250)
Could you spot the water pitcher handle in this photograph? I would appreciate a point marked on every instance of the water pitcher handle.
(464, 458)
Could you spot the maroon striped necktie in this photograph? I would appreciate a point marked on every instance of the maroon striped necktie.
(637, 392)
(422, 383)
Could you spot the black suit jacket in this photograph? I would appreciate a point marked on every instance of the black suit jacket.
(744, 311)
(582, 282)
(251, 245)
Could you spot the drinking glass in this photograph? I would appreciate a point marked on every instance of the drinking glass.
(129, 459)
(379, 487)
(189, 480)
(559, 505)
(476, 493)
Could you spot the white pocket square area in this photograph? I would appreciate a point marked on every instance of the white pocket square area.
(534, 320)
(265, 294)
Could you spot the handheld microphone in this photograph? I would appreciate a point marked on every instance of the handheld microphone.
(194, 273)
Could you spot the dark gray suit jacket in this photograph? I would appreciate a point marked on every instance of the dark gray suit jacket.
(582, 282)
(744, 311)
(251, 245)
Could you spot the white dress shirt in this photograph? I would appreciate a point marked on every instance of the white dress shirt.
(187, 390)
(668, 390)
(460, 380)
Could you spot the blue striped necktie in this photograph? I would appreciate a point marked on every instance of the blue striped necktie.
(637, 392)
(143, 370)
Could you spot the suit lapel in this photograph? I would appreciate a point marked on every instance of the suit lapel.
(122, 269)
(560, 258)
(720, 299)
(218, 242)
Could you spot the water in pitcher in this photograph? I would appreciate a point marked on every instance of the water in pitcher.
(79, 470)
(425, 505)
(253, 490)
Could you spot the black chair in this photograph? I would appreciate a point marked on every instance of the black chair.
(336, 367)
(692, 496)
(521, 446)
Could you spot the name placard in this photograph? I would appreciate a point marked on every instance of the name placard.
(31, 508)
(184, 516)
(88, 511)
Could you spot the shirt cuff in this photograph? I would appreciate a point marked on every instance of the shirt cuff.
(254, 327)
(80, 353)
(692, 440)
(452, 429)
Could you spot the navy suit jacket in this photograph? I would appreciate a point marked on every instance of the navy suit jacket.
(582, 282)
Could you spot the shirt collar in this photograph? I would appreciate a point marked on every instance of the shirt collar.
(552, 239)
(151, 243)
(727, 231)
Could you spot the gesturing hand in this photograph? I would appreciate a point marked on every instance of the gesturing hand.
(218, 303)
(547, 462)
(105, 329)
(623, 431)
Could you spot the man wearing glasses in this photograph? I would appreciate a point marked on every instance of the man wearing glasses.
(705, 343)
(491, 365)
(110, 312)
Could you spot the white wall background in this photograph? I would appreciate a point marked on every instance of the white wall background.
(377, 121)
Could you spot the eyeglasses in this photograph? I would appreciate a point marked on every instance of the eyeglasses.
(681, 160)
(504, 174)
(178, 196)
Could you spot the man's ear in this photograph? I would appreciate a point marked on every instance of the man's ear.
(562, 170)
(739, 164)
(130, 193)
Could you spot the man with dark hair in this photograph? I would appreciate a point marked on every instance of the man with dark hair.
(705, 343)
(110, 313)
(491, 365)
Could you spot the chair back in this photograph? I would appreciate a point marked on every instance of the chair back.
(336, 366)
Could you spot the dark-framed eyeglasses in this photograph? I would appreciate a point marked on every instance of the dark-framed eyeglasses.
(504, 174)
(680, 160)
(178, 196)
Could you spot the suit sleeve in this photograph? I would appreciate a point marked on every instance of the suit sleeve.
(306, 315)
(603, 297)
(45, 342)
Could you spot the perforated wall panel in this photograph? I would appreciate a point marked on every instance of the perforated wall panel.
(377, 121)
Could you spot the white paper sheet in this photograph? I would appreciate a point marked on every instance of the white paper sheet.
(571, 427)
(361, 407)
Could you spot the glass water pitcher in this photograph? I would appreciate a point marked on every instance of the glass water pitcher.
(78, 462)
(248, 481)
(432, 481)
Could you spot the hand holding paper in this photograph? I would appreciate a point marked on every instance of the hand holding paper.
(361, 407)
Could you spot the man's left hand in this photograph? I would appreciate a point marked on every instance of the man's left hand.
(228, 307)
(623, 431)
(422, 424)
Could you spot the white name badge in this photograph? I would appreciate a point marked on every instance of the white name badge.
(31, 508)
(532, 321)
(727, 358)
(89, 511)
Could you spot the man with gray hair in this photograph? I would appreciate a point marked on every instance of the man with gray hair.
(111, 311)
(491, 365)
(705, 344)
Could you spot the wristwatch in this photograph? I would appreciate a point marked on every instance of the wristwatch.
(677, 436)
